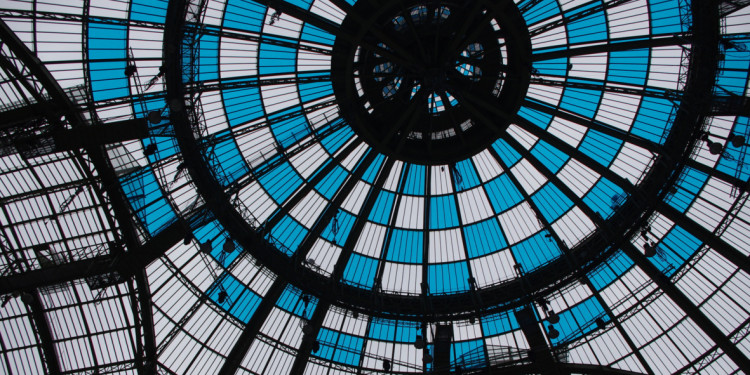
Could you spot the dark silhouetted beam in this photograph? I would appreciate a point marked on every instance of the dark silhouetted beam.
(242, 345)
(613, 45)
(694, 313)
(127, 264)
(707, 237)
(595, 125)
(26, 113)
(361, 220)
(316, 321)
(600, 86)
(727, 7)
(333, 208)
(562, 369)
(577, 15)
(34, 304)
(147, 322)
(102, 134)
(732, 180)
(730, 105)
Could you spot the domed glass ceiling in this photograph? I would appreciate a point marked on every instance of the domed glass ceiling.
(303, 161)
(351, 175)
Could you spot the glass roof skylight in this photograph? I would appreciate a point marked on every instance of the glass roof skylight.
(315, 184)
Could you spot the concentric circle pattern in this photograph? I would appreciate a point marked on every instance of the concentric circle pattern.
(411, 67)
(374, 186)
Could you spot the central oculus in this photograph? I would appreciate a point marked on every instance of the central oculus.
(414, 79)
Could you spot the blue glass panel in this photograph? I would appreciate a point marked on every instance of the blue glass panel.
(331, 183)
(145, 197)
(497, 324)
(242, 105)
(508, 155)
(304, 4)
(373, 169)
(652, 118)
(244, 14)
(600, 147)
(314, 34)
(415, 180)
(361, 270)
(581, 101)
(483, 238)
(537, 118)
(503, 193)
(540, 11)
(553, 67)
(448, 277)
(588, 29)
(551, 157)
(291, 301)
(691, 182)
(464, 352)
(241, 302)
(382, 329)
(381, 211)
(148, 10)
(289, 233)
(443, 212)
(344, 221)
(628, 66)
(314, 91)
(280, 182)
(108, 79)
(604, 197)
(165, 147)
(675, 248)
(274, 59)
(334, 142)
(535, 251)
(226, 161)
(615, 267)
(665, 16)
(290, 131)
(551, 202)
(464, 175)
(732, 77)
(578, 320)
(348, 349)
(734, 160)
(208, 58)
(405, 246)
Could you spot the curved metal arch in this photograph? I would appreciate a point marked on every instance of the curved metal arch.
(655, 187)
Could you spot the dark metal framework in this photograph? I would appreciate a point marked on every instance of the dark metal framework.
(129, 254)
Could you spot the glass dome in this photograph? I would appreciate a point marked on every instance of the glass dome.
(341, 186)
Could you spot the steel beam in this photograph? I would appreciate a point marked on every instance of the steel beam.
(361, 220)
(707, 237)
(727, 7)
(34, 305)
(316, 321)
(577, 15)
(245, 340)
(594, 125)
(613, 45)
(598, 221)
(730, 105)
(601, 86)
(101, 134)
(692, 311)
(333, 208)
(25, 114)
(147, 322)
(126, 264)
